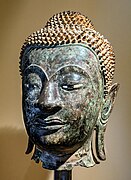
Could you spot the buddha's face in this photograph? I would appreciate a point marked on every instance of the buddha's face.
(62, 97)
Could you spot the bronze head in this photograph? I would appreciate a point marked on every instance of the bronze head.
(67, 70)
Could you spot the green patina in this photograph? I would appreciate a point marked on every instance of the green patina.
(66, 83)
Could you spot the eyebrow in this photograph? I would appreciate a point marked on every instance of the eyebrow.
(69, 65)
(35, 65)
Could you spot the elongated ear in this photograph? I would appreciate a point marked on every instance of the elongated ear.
(109, 101)
(103, 119)
(29, 147)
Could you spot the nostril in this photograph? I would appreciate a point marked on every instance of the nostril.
(51, 109)
(57, 108)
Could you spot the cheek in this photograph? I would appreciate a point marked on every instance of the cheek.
(29, 110)
(75, 98)
(74, 101)
(87, 104)
(75, 104)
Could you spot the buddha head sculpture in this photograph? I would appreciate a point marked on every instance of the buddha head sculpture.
(67, 69)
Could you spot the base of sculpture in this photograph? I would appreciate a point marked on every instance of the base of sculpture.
(63, 175)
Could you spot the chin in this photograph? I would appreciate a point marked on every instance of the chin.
(62, 142)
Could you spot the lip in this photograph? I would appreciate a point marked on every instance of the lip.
(51, 124)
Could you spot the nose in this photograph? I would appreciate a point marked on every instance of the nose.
(49, 100)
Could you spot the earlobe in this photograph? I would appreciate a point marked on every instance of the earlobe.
(30, 146)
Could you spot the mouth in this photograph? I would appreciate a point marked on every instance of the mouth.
(51, 124)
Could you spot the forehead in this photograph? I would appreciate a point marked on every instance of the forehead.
(53, 59)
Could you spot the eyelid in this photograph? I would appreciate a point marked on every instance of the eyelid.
(76, 86)
(34, 85)
(72, 87)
